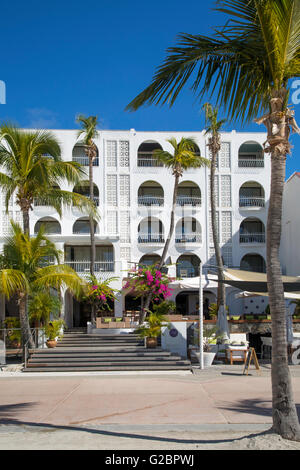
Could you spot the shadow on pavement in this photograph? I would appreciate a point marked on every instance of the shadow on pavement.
(7, 419)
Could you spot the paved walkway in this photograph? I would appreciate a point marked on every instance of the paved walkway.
(216, 400)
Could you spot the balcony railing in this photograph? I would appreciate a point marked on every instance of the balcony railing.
(251, 162)
(81, 266)
(252, 201)
(188, 238)
(252, 238)
(84, 160)
(188, 201)
(150, 201)
(147, 159)
(151, 238)
(187, 272)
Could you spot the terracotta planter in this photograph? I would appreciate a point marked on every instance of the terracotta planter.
(51, 343)
(151, 342)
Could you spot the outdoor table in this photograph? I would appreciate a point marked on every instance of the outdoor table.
(233, 358)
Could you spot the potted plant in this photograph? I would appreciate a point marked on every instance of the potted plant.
(151, 329)
(211, 337)
(53, 331)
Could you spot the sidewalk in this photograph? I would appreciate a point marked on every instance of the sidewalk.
(217, 407)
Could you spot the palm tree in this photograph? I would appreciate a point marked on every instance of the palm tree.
(213, 127)
(33, 167)
(180, 160)
(87, 134)
(25, 270)
(247, 65)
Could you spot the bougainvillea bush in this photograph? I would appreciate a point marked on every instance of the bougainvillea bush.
(100, 294)
(149, 279)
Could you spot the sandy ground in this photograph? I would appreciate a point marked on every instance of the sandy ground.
(99, 439)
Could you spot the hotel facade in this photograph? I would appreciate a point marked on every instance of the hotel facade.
(133, 193)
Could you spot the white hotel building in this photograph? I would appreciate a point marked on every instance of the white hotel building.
(134, 196)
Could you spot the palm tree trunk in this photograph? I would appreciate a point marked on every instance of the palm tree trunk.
(26, 335)
(92, 228)
(26, 226)
(172, 221)
(219, 261)
(166, 247)
(285, 419)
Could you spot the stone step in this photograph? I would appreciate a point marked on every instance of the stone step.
(106, 359)
(92, 349)
(109, 367)
(88, 354)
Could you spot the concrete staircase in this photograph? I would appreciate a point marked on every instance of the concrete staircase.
(80, 352)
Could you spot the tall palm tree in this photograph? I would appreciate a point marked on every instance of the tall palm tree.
(87, 133)
(247, 65)
(180, 160)
(213, 127)
(25, 270)
(32, 167)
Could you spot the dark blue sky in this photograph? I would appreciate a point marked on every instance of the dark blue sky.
(61, 58)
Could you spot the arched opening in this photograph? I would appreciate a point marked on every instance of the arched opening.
(150, 193)
(151, 230)
(84, 189)
(79, 155)
(189, 194)
(82, 226)
(188, 230)
(253, 262)
(197, 150)
(251, 194)
(145, 157)
(251, 155)
(187, 266)
(51, 226)
(252, 230)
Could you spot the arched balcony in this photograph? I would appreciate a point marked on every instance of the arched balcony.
(84, 189)
(82, 226)
(251, 195)
(51, 226)
(151, 231)
(187, 266)
(188, 230)
(150, 193)
(145, 157)
(79, 155)
(189, 194)
(251, 155)
(253, 262)
(252, 231)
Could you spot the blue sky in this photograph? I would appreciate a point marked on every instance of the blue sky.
(61, 58)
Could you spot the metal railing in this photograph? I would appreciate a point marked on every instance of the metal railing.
(146, 159)
(193, 237)
(252, 237)
(81, 266)
(151, 238)
(187, 272)
(84, 160)
(188, 201)
(251, 162)
(252, 201)
(150, 200)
